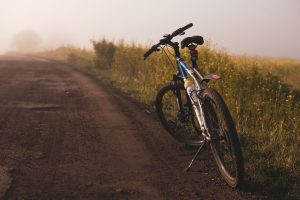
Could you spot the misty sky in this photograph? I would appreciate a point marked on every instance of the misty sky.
(252, 27)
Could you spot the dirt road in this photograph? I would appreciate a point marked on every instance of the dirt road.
(65, 135)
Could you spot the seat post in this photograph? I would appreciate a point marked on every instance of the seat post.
(194, 55)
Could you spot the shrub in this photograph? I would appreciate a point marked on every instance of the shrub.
(105, 52)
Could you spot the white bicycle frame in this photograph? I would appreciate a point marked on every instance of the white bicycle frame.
(198, 79)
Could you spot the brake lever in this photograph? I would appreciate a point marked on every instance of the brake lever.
(182, 33)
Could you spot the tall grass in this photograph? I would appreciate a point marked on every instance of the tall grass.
(287, 70)
(265, 109)
(74, 56)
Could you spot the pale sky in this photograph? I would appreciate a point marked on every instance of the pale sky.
(253, 27)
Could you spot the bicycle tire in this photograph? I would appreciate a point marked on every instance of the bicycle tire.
(187, 132)
(225, 134)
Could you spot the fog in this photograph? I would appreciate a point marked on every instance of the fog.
(264, 28)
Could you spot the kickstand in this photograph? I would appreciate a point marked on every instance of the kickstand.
(195, 156)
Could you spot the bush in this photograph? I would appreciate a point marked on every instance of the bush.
(105, 52)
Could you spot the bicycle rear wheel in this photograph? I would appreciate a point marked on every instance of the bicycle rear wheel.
(182, 125)
(225, 144)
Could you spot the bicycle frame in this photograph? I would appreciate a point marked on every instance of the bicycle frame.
(184, 70)
(198, 79)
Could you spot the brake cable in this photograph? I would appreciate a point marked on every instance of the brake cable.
(163, 49)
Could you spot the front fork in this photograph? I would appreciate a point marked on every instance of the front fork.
(196, 106)
(199, 110)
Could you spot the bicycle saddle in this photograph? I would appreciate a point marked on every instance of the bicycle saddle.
(190, 40)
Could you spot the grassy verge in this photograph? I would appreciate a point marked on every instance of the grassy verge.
(265, 108)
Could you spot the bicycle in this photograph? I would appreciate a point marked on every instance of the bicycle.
(195, 114)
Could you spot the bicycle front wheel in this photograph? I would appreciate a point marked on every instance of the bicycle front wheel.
(181, 123)
(225, 144)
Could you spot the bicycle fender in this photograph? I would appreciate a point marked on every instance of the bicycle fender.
(211, 77)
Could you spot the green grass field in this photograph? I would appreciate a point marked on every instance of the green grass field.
(260, 92)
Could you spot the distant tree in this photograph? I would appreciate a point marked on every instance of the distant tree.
(27, 40)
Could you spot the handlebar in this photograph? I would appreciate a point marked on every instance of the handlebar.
(167, 38)
(151, 50)
(181, 30)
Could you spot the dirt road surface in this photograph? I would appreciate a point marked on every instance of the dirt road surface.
(66, 135)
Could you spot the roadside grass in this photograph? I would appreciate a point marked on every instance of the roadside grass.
(72, 55)
(260, 93)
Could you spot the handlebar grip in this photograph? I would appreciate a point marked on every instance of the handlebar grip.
(180, 30)
(147, 54)
(151, 50)
(187, 26)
